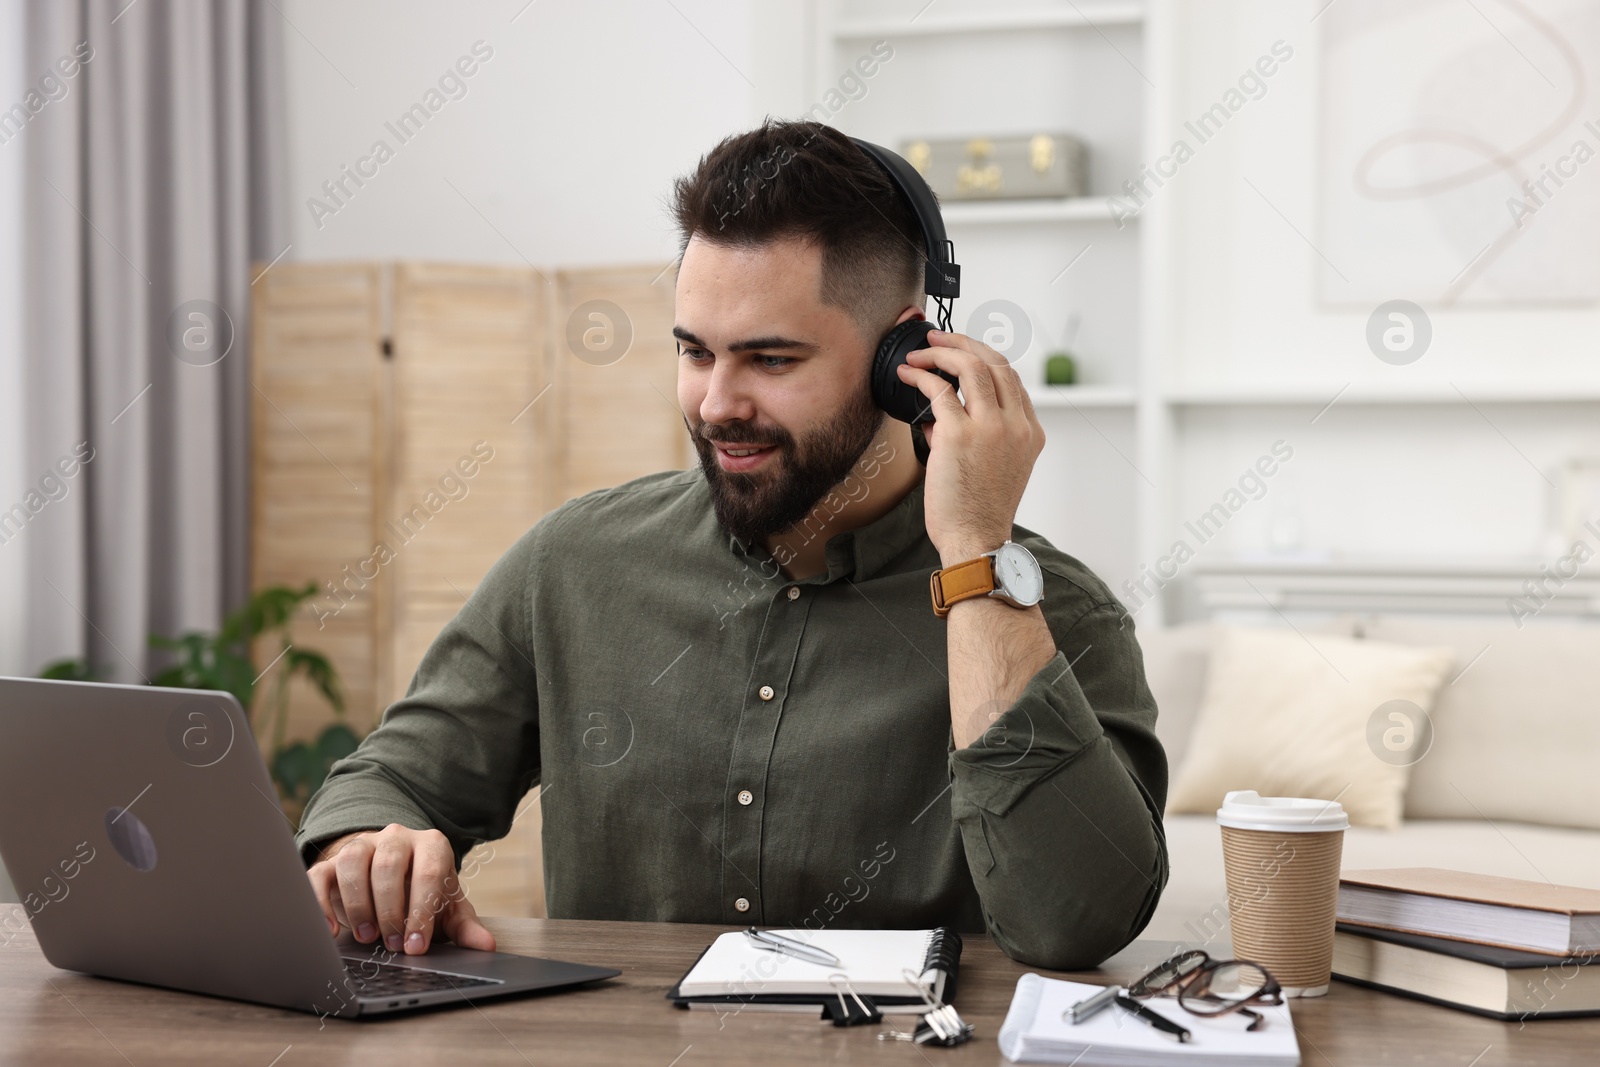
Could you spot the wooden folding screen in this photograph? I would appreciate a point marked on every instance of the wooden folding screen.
(466, 361)
(319, 387)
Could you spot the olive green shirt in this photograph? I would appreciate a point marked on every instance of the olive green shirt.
(718, 744)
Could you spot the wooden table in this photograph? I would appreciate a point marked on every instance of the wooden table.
(57, 1017)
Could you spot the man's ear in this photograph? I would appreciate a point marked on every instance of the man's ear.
(911, 311)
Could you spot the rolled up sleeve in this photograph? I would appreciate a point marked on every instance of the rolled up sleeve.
(460, 749)
(1059, 803)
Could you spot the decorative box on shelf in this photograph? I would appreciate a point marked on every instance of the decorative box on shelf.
(1002, 168)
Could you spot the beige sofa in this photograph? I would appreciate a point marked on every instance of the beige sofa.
(1511, 785)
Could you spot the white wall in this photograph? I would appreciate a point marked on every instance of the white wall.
(1246, 306)
(562, 150)
(1436, 481)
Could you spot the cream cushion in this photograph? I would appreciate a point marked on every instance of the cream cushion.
(1287, 713)
(1516, 728)
(1175, 661)
(1175, 664)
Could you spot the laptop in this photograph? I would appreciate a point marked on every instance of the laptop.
(145, 840)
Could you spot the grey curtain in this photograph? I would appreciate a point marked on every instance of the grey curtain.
(152, 181)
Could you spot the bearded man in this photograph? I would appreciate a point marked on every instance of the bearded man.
(730, 683)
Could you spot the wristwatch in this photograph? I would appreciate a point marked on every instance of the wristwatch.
(1009, 573)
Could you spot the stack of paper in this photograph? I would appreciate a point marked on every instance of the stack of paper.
(1035, 1031)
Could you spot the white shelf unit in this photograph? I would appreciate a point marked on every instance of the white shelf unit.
(997, 67)
(1256, 589)
(1084, 396)
(1446, 393)
(1072, 209)
(995, 19)
(1203, 342)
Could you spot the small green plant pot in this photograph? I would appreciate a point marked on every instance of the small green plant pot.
(1060, 369)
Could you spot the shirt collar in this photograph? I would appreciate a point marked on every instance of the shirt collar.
(861, 553)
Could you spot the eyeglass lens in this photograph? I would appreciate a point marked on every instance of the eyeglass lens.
(1223, 987)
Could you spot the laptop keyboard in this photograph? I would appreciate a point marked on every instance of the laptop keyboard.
(372, 979)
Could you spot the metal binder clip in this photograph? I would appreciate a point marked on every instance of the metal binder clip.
(861, 1011)
(941, 1024)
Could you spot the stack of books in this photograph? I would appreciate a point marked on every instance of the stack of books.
(1502, 947)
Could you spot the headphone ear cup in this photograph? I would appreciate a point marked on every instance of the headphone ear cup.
(901, 400)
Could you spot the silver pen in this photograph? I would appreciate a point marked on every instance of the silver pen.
(789, 947)
(1085, 1008)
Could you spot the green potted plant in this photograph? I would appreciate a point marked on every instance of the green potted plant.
(1060, 369)
(1060, 366)
(225, 660)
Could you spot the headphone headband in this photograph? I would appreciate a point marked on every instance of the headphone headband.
(941, 280)
(941, 274)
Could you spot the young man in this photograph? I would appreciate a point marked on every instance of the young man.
(731, 682)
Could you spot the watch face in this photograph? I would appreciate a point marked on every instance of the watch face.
(1017, 573)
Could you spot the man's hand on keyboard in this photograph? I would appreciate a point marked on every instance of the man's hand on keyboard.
(399, 882)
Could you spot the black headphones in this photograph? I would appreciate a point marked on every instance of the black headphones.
(941, 280)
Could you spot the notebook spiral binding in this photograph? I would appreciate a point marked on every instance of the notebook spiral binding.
(944, 953)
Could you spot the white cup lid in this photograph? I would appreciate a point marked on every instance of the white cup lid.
(1245, 809)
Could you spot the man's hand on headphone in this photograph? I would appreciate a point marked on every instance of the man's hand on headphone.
(980, 455)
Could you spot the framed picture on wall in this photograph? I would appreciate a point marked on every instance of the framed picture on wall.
(1459, 153)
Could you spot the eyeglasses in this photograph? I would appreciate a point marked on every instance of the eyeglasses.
(1209, 987)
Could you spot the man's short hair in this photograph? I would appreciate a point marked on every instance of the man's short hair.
(806, 179)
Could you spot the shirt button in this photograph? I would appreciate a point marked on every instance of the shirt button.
(745, 796)
(766, 692)
(794, 592)
(741, 904)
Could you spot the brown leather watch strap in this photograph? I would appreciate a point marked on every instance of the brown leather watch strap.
(975, 577)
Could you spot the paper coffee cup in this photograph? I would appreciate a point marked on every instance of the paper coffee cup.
(1281, 858)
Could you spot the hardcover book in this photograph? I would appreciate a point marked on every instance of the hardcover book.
(1510, 912)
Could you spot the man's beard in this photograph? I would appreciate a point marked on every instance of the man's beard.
(754, 506)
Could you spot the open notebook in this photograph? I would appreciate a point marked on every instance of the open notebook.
(734, 972)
